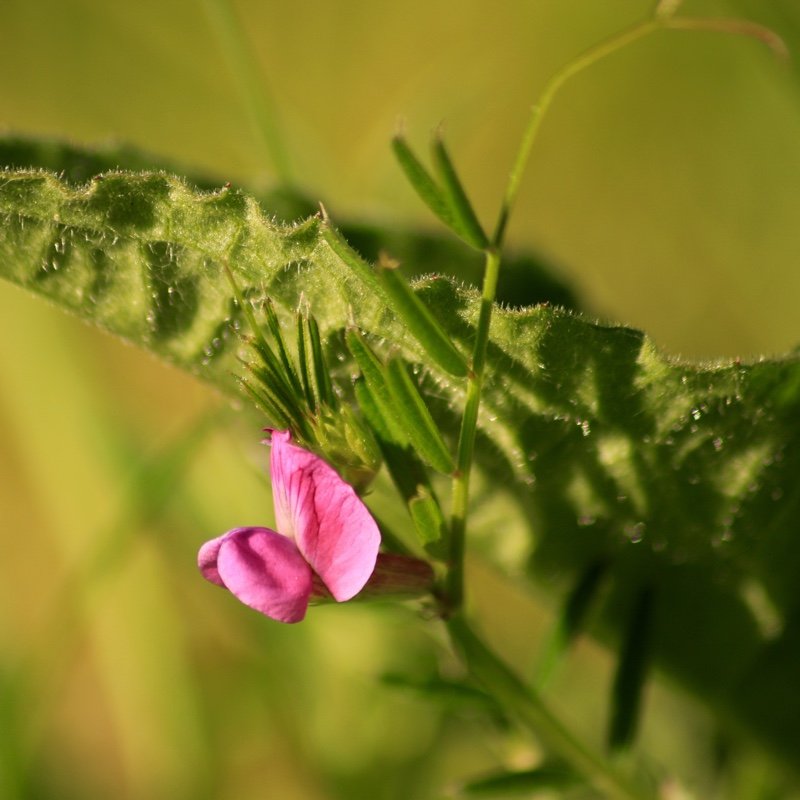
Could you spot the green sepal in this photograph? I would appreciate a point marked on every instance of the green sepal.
(281, 390)
(629, 679)
(420, 322)
(429, 521)
(283, 353)
(322, 377)
(267, 403)
(302, 361)
(280, 413)
(469, 228)
(348, 444)
(416, 419)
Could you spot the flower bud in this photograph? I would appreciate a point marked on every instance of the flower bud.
(349, 445)
(398, 576)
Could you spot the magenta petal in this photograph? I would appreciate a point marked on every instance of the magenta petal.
(332, 527)
(264, 570)
(207, 560)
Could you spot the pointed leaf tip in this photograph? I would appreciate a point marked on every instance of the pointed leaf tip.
(422, 182)
(469, 228)
(414, 415)
(419, 320)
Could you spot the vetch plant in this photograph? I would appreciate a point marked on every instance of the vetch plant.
(650, 487)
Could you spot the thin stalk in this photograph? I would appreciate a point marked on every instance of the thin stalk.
(538, 111)
(661, 20)
(239, 56)
(519, 700)
(527, 707)
(454, 583)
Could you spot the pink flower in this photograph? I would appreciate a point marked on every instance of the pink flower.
(325, 533)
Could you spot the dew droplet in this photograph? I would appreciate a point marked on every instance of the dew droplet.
(635, 533)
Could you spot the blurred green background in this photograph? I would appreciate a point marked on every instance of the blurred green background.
(664, 187)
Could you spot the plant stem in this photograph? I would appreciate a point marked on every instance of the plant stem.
(527, 707)
(519, 700)
(251, 84)
(454, 586)
(662, 20)
(538, 111)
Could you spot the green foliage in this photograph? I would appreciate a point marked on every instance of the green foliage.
(572, 620)
(395, 293)
(428, 520)
(529, 783)
(626, 693)
(680, 477)
(449, 201)
(416, 419)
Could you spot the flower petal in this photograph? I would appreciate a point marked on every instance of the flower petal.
(207, 559)
(261, 568)
(332, 527)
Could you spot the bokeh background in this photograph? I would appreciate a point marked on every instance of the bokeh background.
(665, 188)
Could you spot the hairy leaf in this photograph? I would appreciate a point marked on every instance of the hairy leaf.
(680, 477)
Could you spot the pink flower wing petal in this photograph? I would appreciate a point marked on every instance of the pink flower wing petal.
(207, 560)
(332, 527)
(265, 571)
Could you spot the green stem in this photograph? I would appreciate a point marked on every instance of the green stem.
(527, 707)
(259, 103)
(454, 586)
(538, 111)
(518, 699)
(662, 20)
